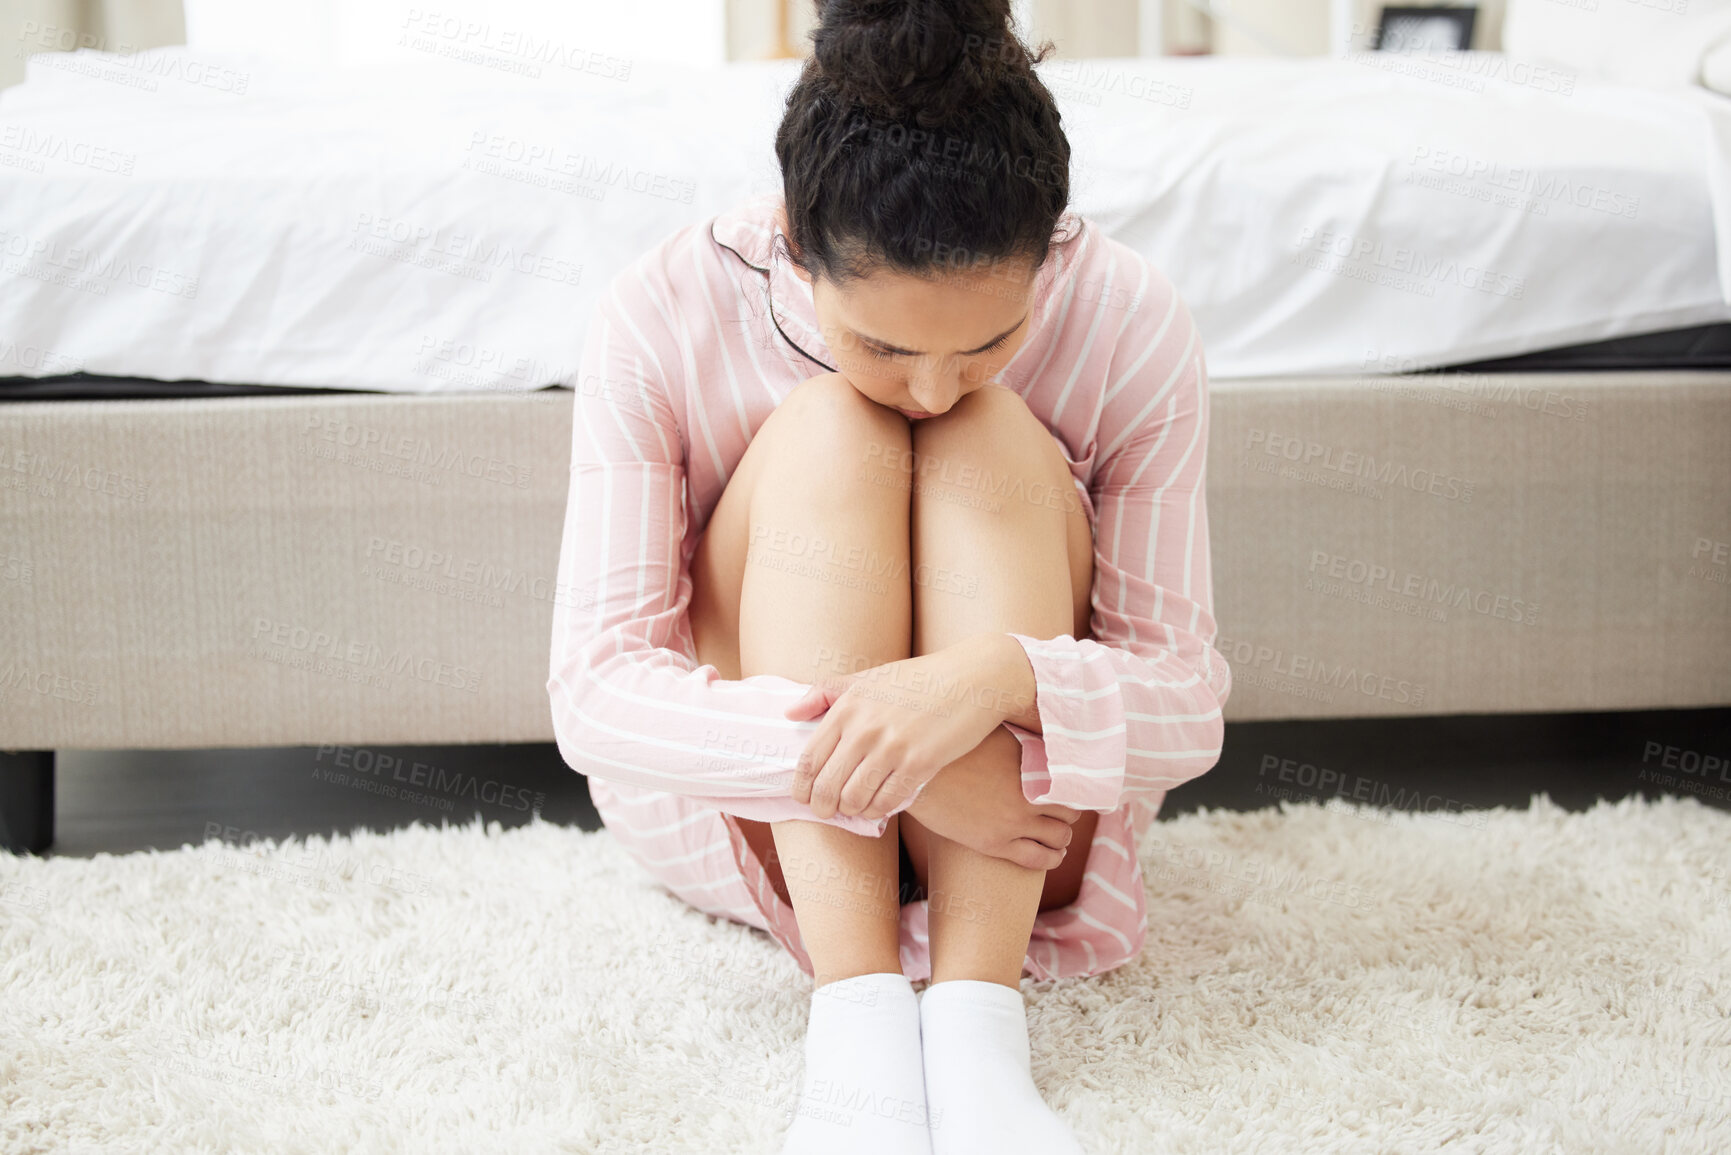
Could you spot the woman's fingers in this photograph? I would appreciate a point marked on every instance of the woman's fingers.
(1054, 832)
(1033, 855)
(880, 788)
(812, 759)
(891, 793)
(859, 795)
(1062, 813)
(826, 789)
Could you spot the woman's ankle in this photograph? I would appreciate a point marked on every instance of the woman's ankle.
(979, 973)
(825, 978)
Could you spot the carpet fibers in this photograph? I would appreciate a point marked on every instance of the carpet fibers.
(1315, 979)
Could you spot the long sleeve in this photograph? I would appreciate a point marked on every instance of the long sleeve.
(630, 702)
(1136, 709)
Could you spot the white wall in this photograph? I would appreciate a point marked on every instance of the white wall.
(1271, 28)
(1075, 27)
(1301, 27)
(1113, 27)
(358, 32)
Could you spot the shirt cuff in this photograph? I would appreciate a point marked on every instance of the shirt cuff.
(1036, 779)
(1082, 755)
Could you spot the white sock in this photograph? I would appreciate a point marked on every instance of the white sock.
(979, 1084)
(864, 1089)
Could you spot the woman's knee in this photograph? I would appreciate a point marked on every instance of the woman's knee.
(835, 437)
(991, 433)
(792, 474)
(991, 457)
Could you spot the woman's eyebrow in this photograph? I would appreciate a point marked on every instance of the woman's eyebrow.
(889, 348)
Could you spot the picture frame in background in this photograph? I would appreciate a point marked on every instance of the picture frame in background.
(1425, 29)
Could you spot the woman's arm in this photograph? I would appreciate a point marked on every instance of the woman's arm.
(629, 701)
(1135, 709)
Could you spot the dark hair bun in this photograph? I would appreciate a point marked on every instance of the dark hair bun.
(918, 134)
(926, 61)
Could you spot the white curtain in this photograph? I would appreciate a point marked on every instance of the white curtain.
(31, 26)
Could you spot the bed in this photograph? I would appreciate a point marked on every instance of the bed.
(288, 365)
(400, 232)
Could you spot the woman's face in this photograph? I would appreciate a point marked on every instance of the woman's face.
(918, 343)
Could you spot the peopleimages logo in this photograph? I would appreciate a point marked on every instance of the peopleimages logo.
(1688, 761)
(360, 760)
(122, 63)
(518, 50)
(47, 259)
(1213, 865)
(33, 357)
(1254, 664)
(47, 684)
(39, 145)
(53, 473)
(501, 154)
(1501, 389)
(417, 450)
(1404, 583)
(1369, 253)
(967, 156)
(449, 250)
(1314, 781)
(1541, 188)
(358, 656)
(1357, 465)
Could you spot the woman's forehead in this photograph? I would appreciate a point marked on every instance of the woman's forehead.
(945, 312)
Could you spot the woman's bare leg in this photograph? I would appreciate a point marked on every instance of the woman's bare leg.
(806, 558)
(991, 558)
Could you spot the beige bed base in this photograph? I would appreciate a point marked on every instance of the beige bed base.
(380, 568)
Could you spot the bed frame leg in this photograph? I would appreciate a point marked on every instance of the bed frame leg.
(26, 800)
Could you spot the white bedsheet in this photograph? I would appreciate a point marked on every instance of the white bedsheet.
(177, 216)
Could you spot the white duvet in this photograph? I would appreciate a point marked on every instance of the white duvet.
(175, 215)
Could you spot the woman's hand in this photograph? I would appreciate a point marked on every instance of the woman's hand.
(978, 802)
(888, 730)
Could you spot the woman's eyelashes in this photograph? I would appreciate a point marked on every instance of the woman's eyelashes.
(876, 351)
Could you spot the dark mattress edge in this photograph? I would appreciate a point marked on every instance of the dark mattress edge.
(1697, 347)
(95, 387)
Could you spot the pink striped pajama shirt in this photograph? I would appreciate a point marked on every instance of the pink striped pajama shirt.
(683, 362)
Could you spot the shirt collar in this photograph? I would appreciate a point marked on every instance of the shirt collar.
(753, 232)
(749, 229)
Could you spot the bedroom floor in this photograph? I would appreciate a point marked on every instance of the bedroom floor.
(128, 800)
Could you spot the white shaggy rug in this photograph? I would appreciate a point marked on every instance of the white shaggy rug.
(1499, 981)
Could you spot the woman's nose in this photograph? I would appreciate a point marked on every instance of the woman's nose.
(937, 388)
